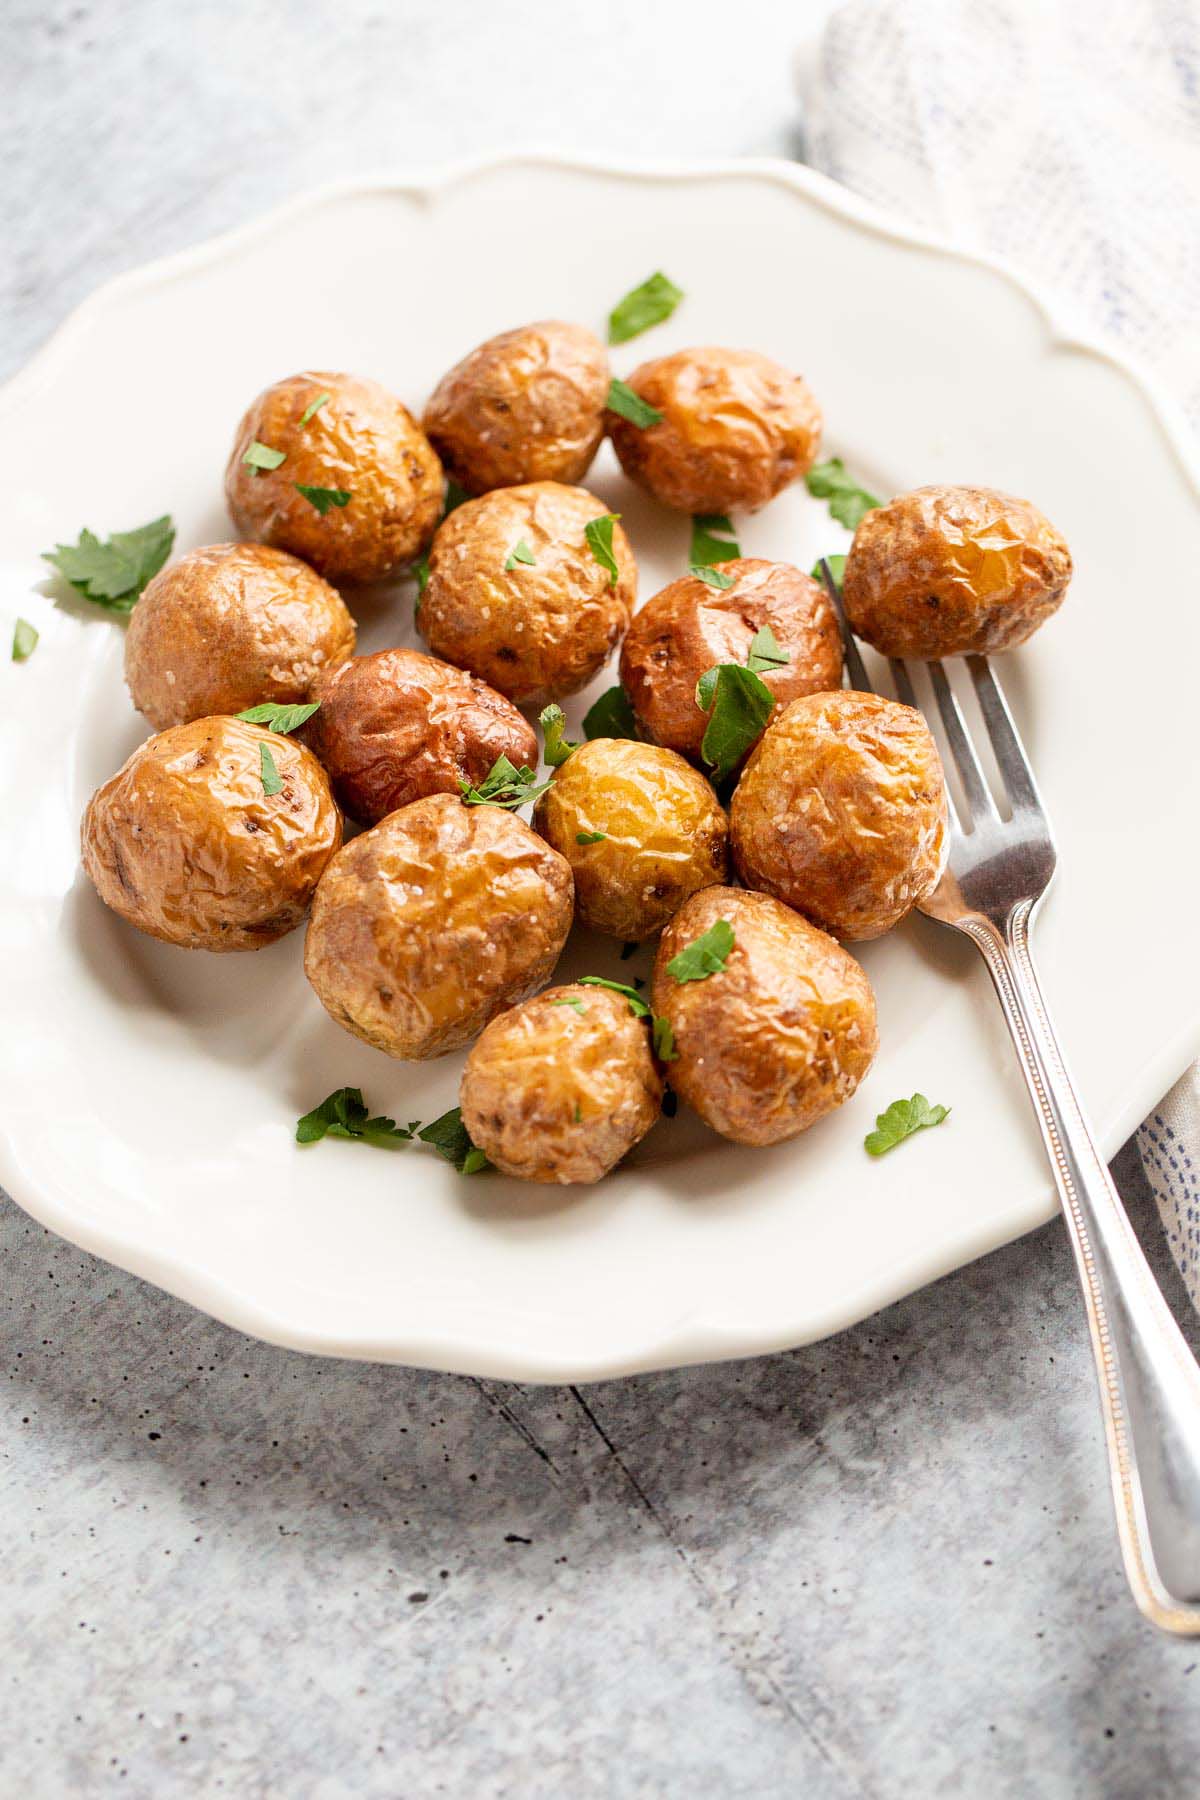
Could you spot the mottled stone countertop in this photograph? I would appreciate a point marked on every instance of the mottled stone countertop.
(882, 1567)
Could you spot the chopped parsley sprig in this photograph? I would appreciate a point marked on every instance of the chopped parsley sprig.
(627, 404)
(705, 955)
(611, 716)
(281, 719)
(901, 1120)
(650, 303)
(848, 502)
(504, 785)
(558, 746)
(115, 572)
(662, 1036)
(344, 1114)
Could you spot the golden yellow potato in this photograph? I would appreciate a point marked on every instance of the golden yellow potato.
(535, 631)
(560, 1087)
(841, 812)
(735, 430)
(361, 442)
(526, 406)
(398, 725)
(185, 843)
(944, 571)
(689, 627)
(432, 922)
(780, 1036)
(653, 831)
(228, 627)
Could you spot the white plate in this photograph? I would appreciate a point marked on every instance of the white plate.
(149, 1095)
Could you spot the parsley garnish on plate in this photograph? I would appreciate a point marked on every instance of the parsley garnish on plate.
(599, 535)
(343, 1114)
(520, 553)
(713, 578)
(848, 503)
(837, 568)
(24, 642)
(766, 652)
(663, 1038)
(504, 785)
(451, 1139)
(741, 704)
(712, 541)
(629, 405)
(314, 407)
(271, 782)
(323, 498)
(591, 837)
(553, 720)
(281, 719)
(261, 456)
(652, 301)
(113, 574)
(705, 955)
(901, 1120)
(611, 716)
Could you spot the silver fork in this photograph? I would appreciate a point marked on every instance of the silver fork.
(997, 873)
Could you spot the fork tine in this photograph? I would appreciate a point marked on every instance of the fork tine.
(855, 667)
(1010, 753)
(904, 687)
(980, 804)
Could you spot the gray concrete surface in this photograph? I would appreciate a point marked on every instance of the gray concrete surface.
(880, 1568)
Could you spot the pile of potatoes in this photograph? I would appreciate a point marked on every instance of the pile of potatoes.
(438, 925)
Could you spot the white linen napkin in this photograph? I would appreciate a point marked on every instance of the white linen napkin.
(1063, 135)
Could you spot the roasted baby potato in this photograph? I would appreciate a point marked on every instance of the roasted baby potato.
(944, 571)
(186, 843)
(689, 627)
(432, 922)
(778, 1037)
(526, 406)
(841, 812)
(398, 725)
(536, 630)
(560, 1087)
(227, 627)
(735, 429)
(375, 483)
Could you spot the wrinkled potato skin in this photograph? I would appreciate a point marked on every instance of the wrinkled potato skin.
(362, 440)
(535, 633)
(944, 571)
(841, 812)
(736, 429)
(666, 833)
(432, 922)
(689, 627)
(228, 627)
(526, 406)
(779, 1037)
(553, 1094)
(398, 725)
(183, 843)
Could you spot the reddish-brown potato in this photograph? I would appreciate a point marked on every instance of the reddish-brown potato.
(361, 442)
(398, 725)
(944, 571)
(230, 626)
(432, 922)
(780, 1036)
(536, 631)
(526, 406)
(689, 627)
(185, 843)
(841, 812)
(735, 429)
(653, 832)
(560, 1087)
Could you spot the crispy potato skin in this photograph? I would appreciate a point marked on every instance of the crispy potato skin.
(398, 725)
(779, 1037)
(526, 406)
(689, 627)
(364, 441)
(943, 571)
(736, 429)
(432, 922)
(534, 632)
(227, 627)
(183, 842)
(557, 1094)
(666, 833)
(841, 812)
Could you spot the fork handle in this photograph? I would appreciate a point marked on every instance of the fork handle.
(1149, 1380)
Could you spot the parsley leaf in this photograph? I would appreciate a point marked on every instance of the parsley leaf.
(715, 578)
(504, 785)
(451, 1139)
(344, 1114)
(520, 553)
(664, 1040)
(568, 1001)
(649, 304)
(901, 1120)
(261, 456)
(323, 498)
(552, 720)
(637, 1005)
(627, 405)
(837, 568)
(114, 574)
(741, 705)
(271, 782)
(705, 956)
(766, 652)
(599, 535)
(24, 642)
(848, 503)
(712, 541)
(591, 837)
(611, 716)
(281, 719)
(314, 407)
